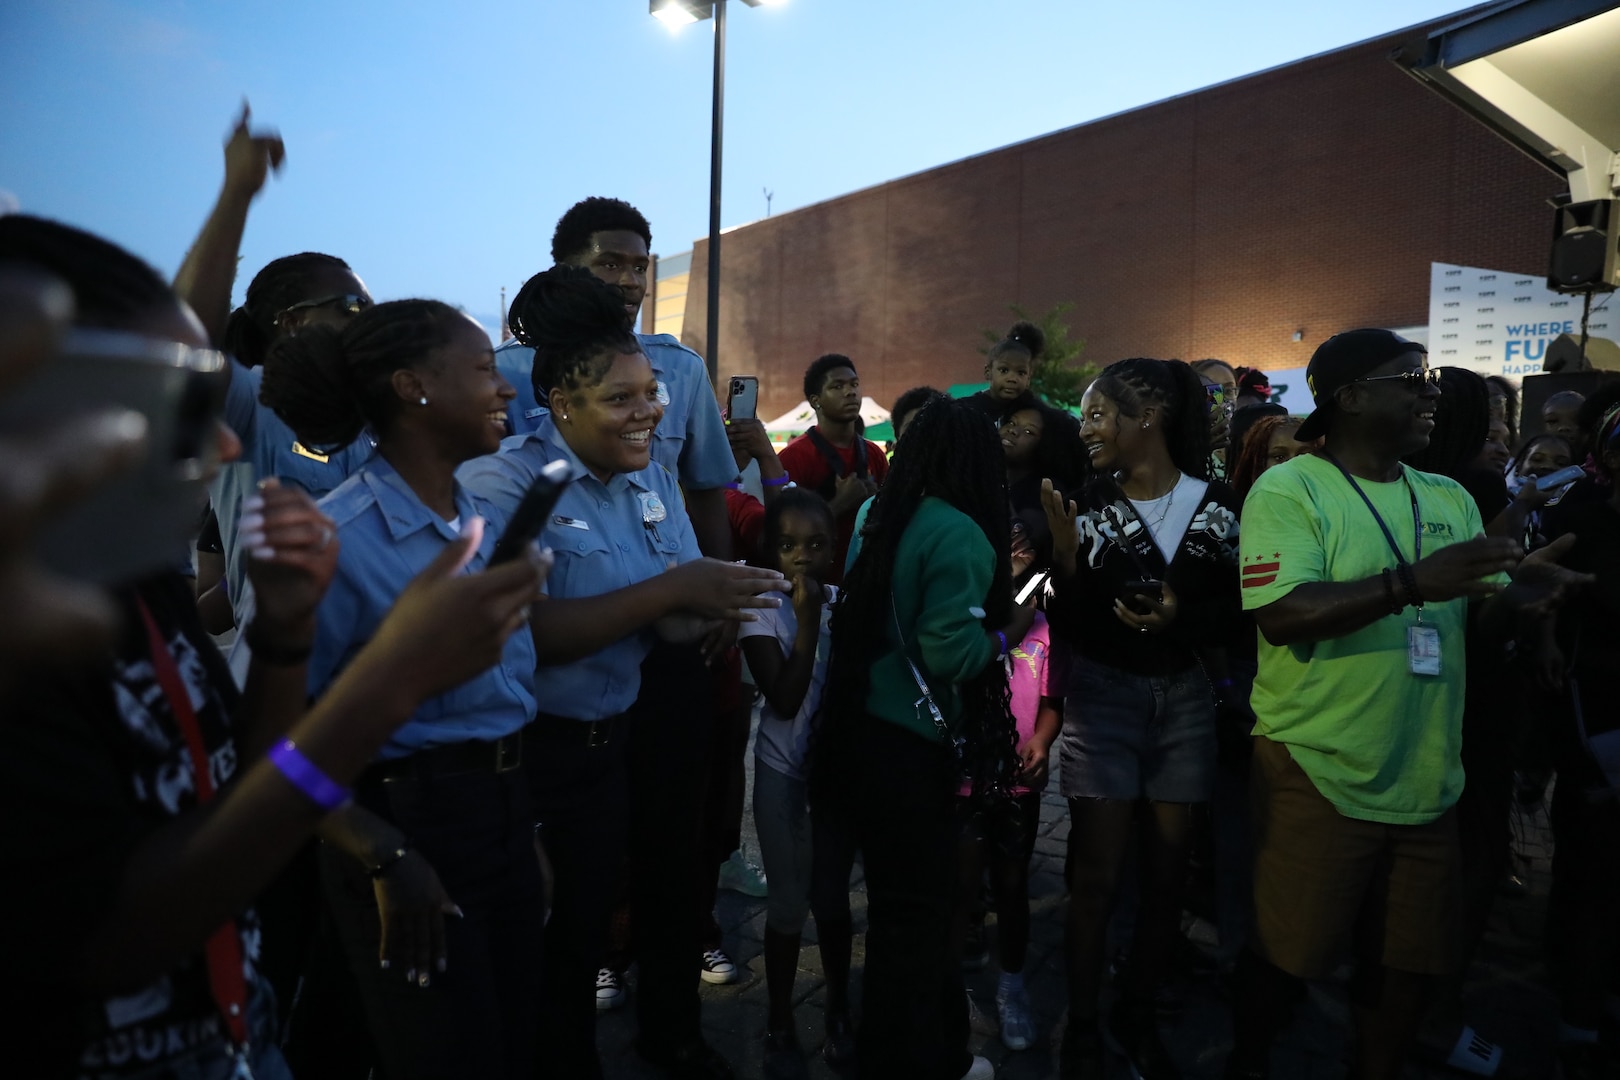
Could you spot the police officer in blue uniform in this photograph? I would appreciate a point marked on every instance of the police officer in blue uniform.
(442, 822)
(629, 573)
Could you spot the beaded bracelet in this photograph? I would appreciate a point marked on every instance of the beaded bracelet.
(1395, 604)
(307, 777)
(1409, 581)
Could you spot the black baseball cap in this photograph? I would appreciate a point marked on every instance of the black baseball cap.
(1340, 361)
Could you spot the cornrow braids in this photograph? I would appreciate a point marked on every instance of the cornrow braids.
(1462, 420)
(111, 288)
(1176, 390)
(950, 453)
(593, 215)
(795, 500)
(282, 283)
(575, 323)
(329, 385)
(1024, 337)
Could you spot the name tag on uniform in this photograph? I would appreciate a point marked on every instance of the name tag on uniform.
(571, 523)
(663, 393)
(652, 507)
(1423, 650)
(303, 451)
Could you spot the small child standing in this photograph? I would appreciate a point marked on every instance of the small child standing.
(787, 651)
(999, 834)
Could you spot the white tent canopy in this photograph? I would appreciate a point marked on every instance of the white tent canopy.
(802, 417)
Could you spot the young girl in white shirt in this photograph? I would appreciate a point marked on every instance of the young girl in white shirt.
(787, 650)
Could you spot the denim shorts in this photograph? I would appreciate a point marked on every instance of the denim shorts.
(1137, 736)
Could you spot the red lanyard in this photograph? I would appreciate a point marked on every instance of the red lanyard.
(224, 950)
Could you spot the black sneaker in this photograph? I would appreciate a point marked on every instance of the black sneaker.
(1133, 1027)
(840, 1049)
(783, 1058)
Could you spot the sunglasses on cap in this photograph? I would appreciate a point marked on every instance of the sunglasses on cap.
(1410, 380)
(347, 302)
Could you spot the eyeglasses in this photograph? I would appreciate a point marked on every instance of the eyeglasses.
(347, 302)
(1410, 380)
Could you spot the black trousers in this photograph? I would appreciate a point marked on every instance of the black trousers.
(671, 724)
(476, 1018)
(900, 792)
(581, 801)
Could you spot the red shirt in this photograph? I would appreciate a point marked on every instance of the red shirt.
(810, 469)
(747, 517)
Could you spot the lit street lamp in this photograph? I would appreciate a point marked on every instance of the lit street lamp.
(675, 14)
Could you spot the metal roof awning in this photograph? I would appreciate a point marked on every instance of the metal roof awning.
(1544, 74)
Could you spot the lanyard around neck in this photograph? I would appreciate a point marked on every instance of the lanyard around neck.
(227, 981)
(1417, 518)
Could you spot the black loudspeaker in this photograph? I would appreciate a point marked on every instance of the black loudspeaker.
(1536, 389)
(1584, 245)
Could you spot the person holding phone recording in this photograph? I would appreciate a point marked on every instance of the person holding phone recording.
(1145, 590)
(442, 824)
(147, 801)
(628, 574)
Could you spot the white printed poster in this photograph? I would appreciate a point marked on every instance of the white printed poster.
(1499, 323)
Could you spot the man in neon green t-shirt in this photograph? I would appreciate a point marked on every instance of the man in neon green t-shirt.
(1358, 571)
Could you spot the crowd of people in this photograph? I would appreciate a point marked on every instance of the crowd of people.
(444, 794)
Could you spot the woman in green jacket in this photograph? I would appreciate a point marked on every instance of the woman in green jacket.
(916, 700)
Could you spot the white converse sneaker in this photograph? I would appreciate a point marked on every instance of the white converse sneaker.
(718, 967)
(1017, 1028)
(610, 990)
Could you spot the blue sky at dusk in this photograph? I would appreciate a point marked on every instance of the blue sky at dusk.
(433, 146)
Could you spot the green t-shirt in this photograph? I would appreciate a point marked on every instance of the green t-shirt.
(942, 574)
(1380, 743)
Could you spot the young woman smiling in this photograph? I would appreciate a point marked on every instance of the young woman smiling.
(441, 823)
(628, 571)
(1146, 591)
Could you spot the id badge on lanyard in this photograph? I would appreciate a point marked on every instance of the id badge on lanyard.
(1422, 642)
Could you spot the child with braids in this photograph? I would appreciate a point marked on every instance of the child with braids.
(1145, 593)
(787, 650)
(1009, 368)
(927, 610)
(441, 824)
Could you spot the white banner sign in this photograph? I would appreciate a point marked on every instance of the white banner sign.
(1499, 323)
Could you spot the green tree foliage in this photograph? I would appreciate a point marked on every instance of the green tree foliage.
(1060, 377)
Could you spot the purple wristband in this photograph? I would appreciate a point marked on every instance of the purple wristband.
(1003, 639)
(321, 789)
(779, 481)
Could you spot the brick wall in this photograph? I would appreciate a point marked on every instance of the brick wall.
(1312, 197)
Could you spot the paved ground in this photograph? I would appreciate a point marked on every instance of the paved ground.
(1507, 998)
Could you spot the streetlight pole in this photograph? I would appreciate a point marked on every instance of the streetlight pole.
(675, 13)
(716, 141)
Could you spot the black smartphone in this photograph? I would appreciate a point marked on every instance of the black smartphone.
(1134, 592)
(532, 512)
(743, 402)
(142, 519)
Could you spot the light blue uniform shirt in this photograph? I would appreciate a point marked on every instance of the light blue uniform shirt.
(690, 441)
(604, 540)
(269, 448)
(389, 537)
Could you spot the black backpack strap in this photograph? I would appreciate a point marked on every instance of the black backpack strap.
(835, 464)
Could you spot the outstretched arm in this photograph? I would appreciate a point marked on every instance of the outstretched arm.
(209, 271)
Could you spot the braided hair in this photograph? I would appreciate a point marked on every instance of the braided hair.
(1462, 420)
(795, 500)
(1060, 456)
(1176, 390)
(948, 452)
(575, 323)
(590, 216)
(1024, 337)
(329, 384)
(286, 281)
(111, 288)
